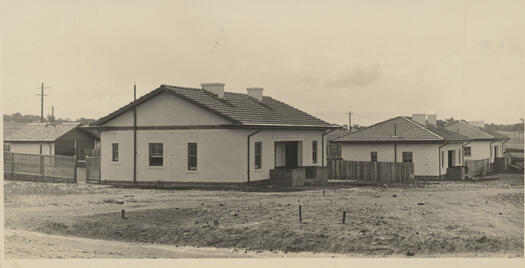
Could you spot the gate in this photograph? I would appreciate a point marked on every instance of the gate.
(93, 169)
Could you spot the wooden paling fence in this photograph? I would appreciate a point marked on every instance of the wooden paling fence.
(371, 171)
(36, 167)
(477, 168)
(93, 169)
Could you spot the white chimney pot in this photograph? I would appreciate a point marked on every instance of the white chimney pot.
(420, 118)
(255, 92)
(215, 88)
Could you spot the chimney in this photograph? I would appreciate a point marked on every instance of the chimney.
(479, 124)
(215, 88)
(432, 119)
(420, 118)
(255, 92)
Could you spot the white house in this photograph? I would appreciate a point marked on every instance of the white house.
(407, 139)
(484, 144)
(178, 134)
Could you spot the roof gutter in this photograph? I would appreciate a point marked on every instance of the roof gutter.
(248, 158)
(322, 145)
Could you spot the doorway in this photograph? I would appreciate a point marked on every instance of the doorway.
(288, 154)
(451, 158)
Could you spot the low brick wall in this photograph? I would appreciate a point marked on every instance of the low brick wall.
(316, 175)
(288, 177)
(456, 173)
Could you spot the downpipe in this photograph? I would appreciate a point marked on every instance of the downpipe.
(248, 158)
(322, 145)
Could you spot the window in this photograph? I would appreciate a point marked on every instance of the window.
(156, 154)
(258, 155)
(114, 147)
(442, 158)
(192, 156)
(314, 151)
(373, 156)
(467, 151)
(407, 157)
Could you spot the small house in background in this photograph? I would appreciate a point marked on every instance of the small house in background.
(51, 139)
(413, 139)
(484, 144)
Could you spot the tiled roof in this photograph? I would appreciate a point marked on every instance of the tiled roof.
(400, 129)
(447, 134)
(238, 108)
(473, 132)
(40, 132)
(405, 129)
(496, 134)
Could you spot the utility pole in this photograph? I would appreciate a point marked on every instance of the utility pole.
(350, 121)
(42, 102)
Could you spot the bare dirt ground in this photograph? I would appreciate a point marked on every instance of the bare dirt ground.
(483, 218)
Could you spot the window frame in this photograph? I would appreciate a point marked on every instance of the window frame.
(411, 157)
(156, 155)
(114, 153)
(257, 155)
(315, 146)
(373, 156)
(191, 155)
(468, 152)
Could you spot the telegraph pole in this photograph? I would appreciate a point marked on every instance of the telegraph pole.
(42, 102)
(350, 121)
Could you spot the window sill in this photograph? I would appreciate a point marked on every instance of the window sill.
(156, 167)
(192, 172)
(259, 170)
(115, 162)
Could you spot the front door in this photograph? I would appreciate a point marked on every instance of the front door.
(287, 154)
(291, 154)
(451, 158)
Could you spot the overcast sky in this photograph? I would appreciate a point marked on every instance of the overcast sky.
(378, 59)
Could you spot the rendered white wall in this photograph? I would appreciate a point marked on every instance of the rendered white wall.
(425, 156)
(222, 154)
(167, 109)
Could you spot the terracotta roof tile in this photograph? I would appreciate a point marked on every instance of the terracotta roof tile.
(236, 107)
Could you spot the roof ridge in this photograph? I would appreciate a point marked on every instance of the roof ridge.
(384, 121)
(423, 127)
(480, 129)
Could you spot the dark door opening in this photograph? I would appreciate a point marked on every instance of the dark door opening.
(451, 158)
(286, 154)
(291, 154)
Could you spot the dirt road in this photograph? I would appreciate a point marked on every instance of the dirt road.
(483, 218)
(27, 245)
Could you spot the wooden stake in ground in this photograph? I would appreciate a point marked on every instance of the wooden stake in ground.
(123, 212)
(300, 215)
(344, 216)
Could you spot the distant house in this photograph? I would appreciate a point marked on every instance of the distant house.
(407, 139)
(484, 144)
(50, 139)
(179, 134)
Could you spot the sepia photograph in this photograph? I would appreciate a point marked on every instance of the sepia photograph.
(291, 130)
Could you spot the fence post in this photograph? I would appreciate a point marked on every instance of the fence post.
(87, 168)
(12, 166)
(75, 168)
(42, 165)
